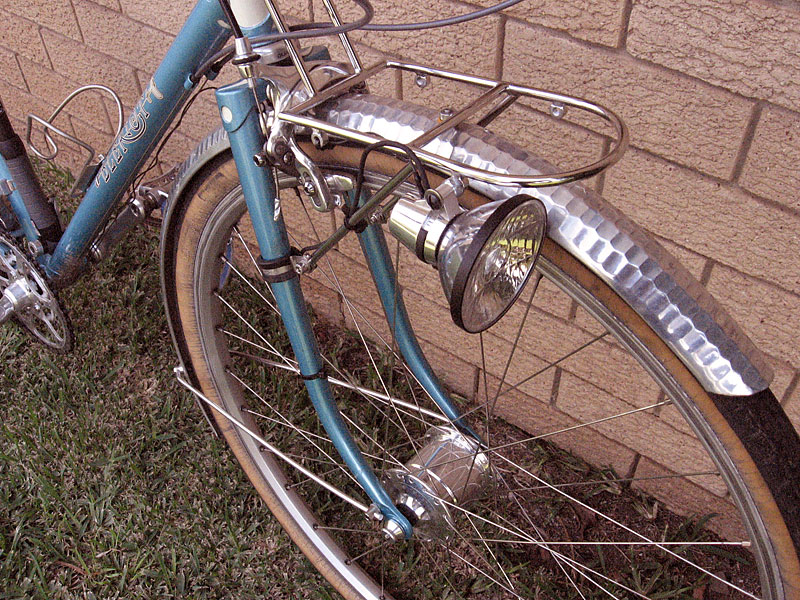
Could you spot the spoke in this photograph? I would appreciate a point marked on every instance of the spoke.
(292, 426)
(742, 544)
(578, 426)
(628, 529)
(614, 480)
(249, 326)
(516, 343)
(252, 258)
(272, 449)
(249, 284)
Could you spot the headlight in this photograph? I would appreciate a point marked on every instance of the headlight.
(484, 256)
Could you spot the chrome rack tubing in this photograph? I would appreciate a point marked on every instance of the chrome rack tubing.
(450, 167)
(291, 47)
(343, 37)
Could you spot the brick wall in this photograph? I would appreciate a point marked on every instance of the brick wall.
(710, 88)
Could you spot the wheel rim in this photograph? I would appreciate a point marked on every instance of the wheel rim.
(229, 347)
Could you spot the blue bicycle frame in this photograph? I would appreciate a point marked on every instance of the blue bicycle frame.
(204, 34)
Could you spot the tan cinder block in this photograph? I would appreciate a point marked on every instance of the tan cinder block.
(597, 21)
(439, 93)
(83, 65)
(46, 83)
(324, 301)
(19, 103)
(171, 15)
(525, 371)
(9, 69)
(680, 118)
(432, 322)
(112, 4)
(747, 47)
(612, 369)
(685, 498)
(715, 220)
(469, 47)
(23, 37)
(693, 261)
(455, 374)
(768, 314)
(56, 15)
(127, 40)
(540, 419)
(558, 141)
(771, 167)
(643, 432)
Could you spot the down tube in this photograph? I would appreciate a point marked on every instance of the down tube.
(203, 34)
(241, 121)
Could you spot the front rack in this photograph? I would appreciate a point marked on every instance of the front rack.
(499, 95)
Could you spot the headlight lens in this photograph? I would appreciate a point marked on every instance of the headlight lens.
(486, 256)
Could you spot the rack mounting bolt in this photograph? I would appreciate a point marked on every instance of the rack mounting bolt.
(558, 110)
(421, 80)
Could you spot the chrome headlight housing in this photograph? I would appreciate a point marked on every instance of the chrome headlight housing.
(484, 255)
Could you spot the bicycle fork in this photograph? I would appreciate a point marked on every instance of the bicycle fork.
(237, 104)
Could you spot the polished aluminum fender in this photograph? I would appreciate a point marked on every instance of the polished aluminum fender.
(622, 254)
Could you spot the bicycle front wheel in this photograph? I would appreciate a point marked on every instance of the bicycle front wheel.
(570, 364)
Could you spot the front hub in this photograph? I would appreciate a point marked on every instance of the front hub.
(449, 470)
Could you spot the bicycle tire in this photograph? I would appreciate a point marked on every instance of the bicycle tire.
(752, 441)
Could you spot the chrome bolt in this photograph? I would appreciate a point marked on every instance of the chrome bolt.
(374, 514)
(392, 530)
(421, 80)
(308, 187)
(445, 113)
(558, 110)
(287, 158)
(319, 139)
(35, 248)
(260, 160)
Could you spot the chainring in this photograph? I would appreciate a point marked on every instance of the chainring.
(44, 317)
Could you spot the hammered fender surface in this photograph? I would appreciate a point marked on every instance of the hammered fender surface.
(620, 252)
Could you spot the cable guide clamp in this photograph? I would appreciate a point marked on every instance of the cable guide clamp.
(279, 269)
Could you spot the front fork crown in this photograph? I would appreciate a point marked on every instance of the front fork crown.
(239, 110)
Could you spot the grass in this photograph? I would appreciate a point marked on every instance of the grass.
(111, 484)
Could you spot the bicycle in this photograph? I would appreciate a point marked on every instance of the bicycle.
(426, 468)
